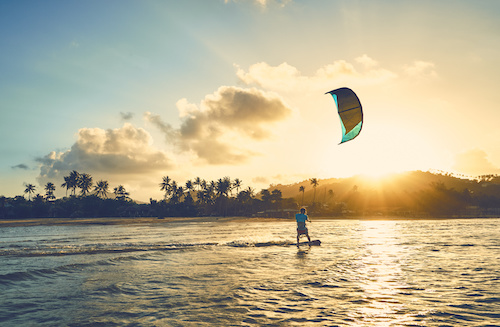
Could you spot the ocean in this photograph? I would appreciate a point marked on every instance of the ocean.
(244, 272)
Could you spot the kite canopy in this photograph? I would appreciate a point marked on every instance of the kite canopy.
(350, 112)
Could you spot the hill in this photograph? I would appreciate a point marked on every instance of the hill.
(414, 192)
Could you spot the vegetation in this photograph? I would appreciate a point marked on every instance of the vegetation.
(414, 194)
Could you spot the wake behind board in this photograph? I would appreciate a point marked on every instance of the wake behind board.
(313, 242)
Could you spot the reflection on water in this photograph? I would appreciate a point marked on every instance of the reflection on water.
(381, 277)
(365, 273)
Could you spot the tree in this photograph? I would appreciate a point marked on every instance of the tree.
(66, 184)
(30, 189)
(49, 191)
(237, 184)
(166, 186)
(314, 183)
(85, 183)
(331, 194)
(120, 192)
(73, 179)
(276, 198)
(223, 187)
(246, 195)
(189, 186)
(177, 193)
(101, 189)
(198, 182)
(207, 194)
(302, 189)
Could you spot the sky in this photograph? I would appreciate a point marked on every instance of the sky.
(131, 91)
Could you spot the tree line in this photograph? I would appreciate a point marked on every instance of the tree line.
(197, 197)
(227, 197)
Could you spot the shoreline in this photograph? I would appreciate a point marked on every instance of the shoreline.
(24, 222)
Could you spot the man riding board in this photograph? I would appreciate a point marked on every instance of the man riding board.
(301, 219)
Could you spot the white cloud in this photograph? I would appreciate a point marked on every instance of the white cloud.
(221, 129)
(122, 151)
(474, 162)
(287, 78)
(421, 69)
(367, 61)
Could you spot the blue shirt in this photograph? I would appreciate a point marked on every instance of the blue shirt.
(301, 221)
(300, 217)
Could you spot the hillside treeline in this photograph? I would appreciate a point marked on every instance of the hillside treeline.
(413, 194)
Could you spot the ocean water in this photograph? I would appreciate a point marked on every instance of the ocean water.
(246, 273)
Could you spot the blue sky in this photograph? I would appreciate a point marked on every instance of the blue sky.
(130, 91)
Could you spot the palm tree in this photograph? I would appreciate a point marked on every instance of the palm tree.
(50, 188)
(85, 183)
(223, 186)
(205, 195)
(101, 189)
(30, 189)
(189, 186)
(166, 186)
(331, 194)
(73, 179)
(198, 182)
(177, 193)
(120, 192)
(66, 184)
(302, 189)
(246, 195)
(314, 183)
(237, 184)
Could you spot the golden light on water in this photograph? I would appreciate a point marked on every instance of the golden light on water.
(382, 273)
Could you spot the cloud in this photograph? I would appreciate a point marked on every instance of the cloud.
(167, 129)
(287, 78)
(474, 162)
(122, 151)
(283, 76)
(367, 61)
(220, 128)
(421, 69)
(20, 166)
(126, 115)
(263, 3)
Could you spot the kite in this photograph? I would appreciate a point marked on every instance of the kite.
(350, 112)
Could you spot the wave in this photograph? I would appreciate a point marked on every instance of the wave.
(102, 248)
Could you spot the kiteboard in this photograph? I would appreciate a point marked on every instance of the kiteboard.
(313, 242)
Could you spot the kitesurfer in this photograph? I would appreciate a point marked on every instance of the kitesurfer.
(301, 219)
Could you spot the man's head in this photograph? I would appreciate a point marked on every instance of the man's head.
(303, 210)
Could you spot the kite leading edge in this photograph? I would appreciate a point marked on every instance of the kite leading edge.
(350, 112)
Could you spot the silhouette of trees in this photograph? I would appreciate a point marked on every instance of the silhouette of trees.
(237, 185)
(66, 184)
(121, 193)
(30, 189)
(102, 189)
(73, 180)
(165, 186)
(314, 183)
(443, 196)
(302, 189)
(85, 183)
(49, 191)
